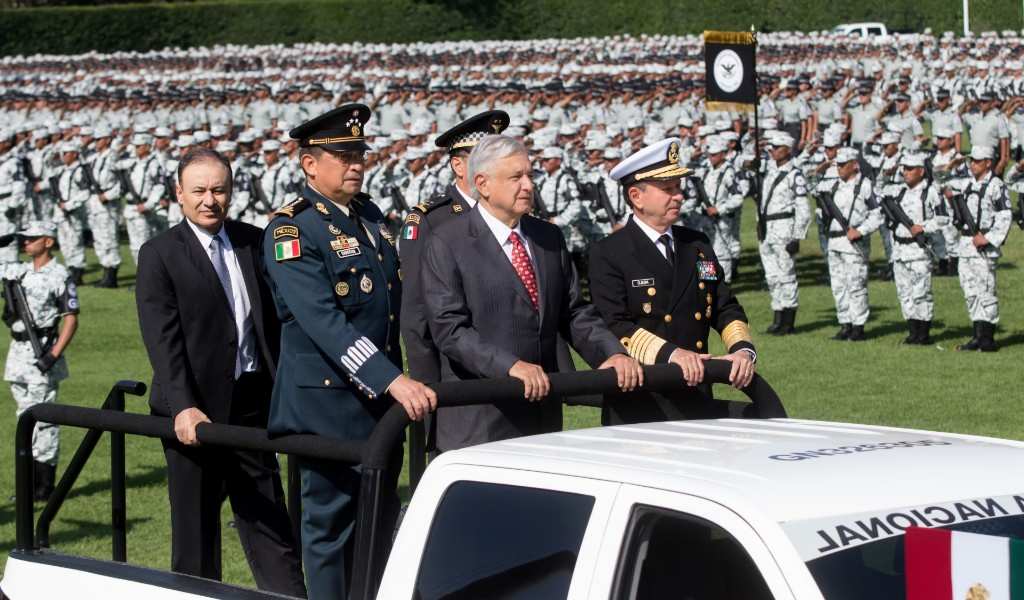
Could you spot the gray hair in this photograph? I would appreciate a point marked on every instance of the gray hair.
(490, 150)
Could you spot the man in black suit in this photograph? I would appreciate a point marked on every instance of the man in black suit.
(499, 288)
(212, 338)
(660, 288)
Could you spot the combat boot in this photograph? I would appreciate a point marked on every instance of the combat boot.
(776, 323)
(986, 337)
(844, 332)
(45, 476)
(973, 343)
(915, 328)
(109, 279)
(941, 268)
(857, 334)
(788, 319)
(924, 337)
(953, 268)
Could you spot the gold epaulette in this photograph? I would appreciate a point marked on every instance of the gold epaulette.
(736, 332)
(643, 346)
(292, 208)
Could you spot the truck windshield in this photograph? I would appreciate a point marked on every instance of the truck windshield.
(875, 569)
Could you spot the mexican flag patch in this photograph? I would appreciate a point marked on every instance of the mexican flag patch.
(287, 250)
(410, 232)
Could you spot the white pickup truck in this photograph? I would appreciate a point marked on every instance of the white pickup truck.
(715, 509)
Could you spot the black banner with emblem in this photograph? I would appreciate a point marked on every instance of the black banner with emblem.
(730, 63)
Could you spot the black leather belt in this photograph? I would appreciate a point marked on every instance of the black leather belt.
(22, 336)
(778, 216)
(899, 239)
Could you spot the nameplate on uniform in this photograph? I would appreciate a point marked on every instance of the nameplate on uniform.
(348, 252)
(285, 231)
(643, 282)
(706, 270)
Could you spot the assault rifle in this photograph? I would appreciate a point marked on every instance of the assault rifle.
(16, 309)
(894, 213)
(539, 208)
(702, 195)
(830, 212)
(126, 184)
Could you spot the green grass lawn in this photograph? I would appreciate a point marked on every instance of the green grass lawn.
(878, 381)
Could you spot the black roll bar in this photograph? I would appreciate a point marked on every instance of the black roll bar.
(372, 453)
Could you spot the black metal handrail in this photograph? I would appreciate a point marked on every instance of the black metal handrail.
(372, 454)
(118, 518)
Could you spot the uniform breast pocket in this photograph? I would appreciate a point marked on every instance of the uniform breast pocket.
(642, 295)
(354, 281)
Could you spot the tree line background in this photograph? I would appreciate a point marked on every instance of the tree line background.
(71, 26)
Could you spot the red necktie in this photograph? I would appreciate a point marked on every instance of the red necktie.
(524, 268)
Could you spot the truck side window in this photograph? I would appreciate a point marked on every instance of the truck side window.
(874, 31)
(502, 542)
(673, 555)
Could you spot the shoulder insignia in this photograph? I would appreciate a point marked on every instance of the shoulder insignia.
(292, 208)
(287, 250)
(322, 208)
(413, 219)
(286, 231)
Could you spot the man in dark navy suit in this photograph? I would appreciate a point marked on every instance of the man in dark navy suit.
(500, 286)
(336, 283)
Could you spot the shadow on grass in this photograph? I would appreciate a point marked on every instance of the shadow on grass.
(68, 531)
(151, 476)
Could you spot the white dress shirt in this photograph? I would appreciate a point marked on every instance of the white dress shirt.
(651, 233)
(245, 358)
(501, 233)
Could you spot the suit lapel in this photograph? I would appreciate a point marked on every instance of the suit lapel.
(686, 264)
(489, 247)
(200, 259)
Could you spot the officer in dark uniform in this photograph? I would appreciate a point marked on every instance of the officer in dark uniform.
(335, 276)
(660, 289)
(420, 351)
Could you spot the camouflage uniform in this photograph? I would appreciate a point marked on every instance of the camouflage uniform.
(947, 172)
(12, 203)
(561, 197)
(147, 182)
(103, 216)
(989, 205)
(786, 216)
(722, 189)
(50, 295)
(74, 193)
(912, 266)
(847, 260)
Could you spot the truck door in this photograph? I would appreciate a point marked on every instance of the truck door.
(669, 545)
(499, 534)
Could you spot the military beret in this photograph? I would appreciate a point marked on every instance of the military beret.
(341, 129)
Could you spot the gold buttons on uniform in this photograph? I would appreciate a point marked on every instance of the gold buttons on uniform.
(341, 288)
(389, 286)
(651, 291)
(391, 317)
(707, 313)
(353, 269)
(709, 298)
(696, 315)
(701, 285)
(380, 257)
(700, 344)
(668, 318)
(387, 348)
(327, 382)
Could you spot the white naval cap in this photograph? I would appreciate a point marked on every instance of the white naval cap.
(658, 161)
(846, 154)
